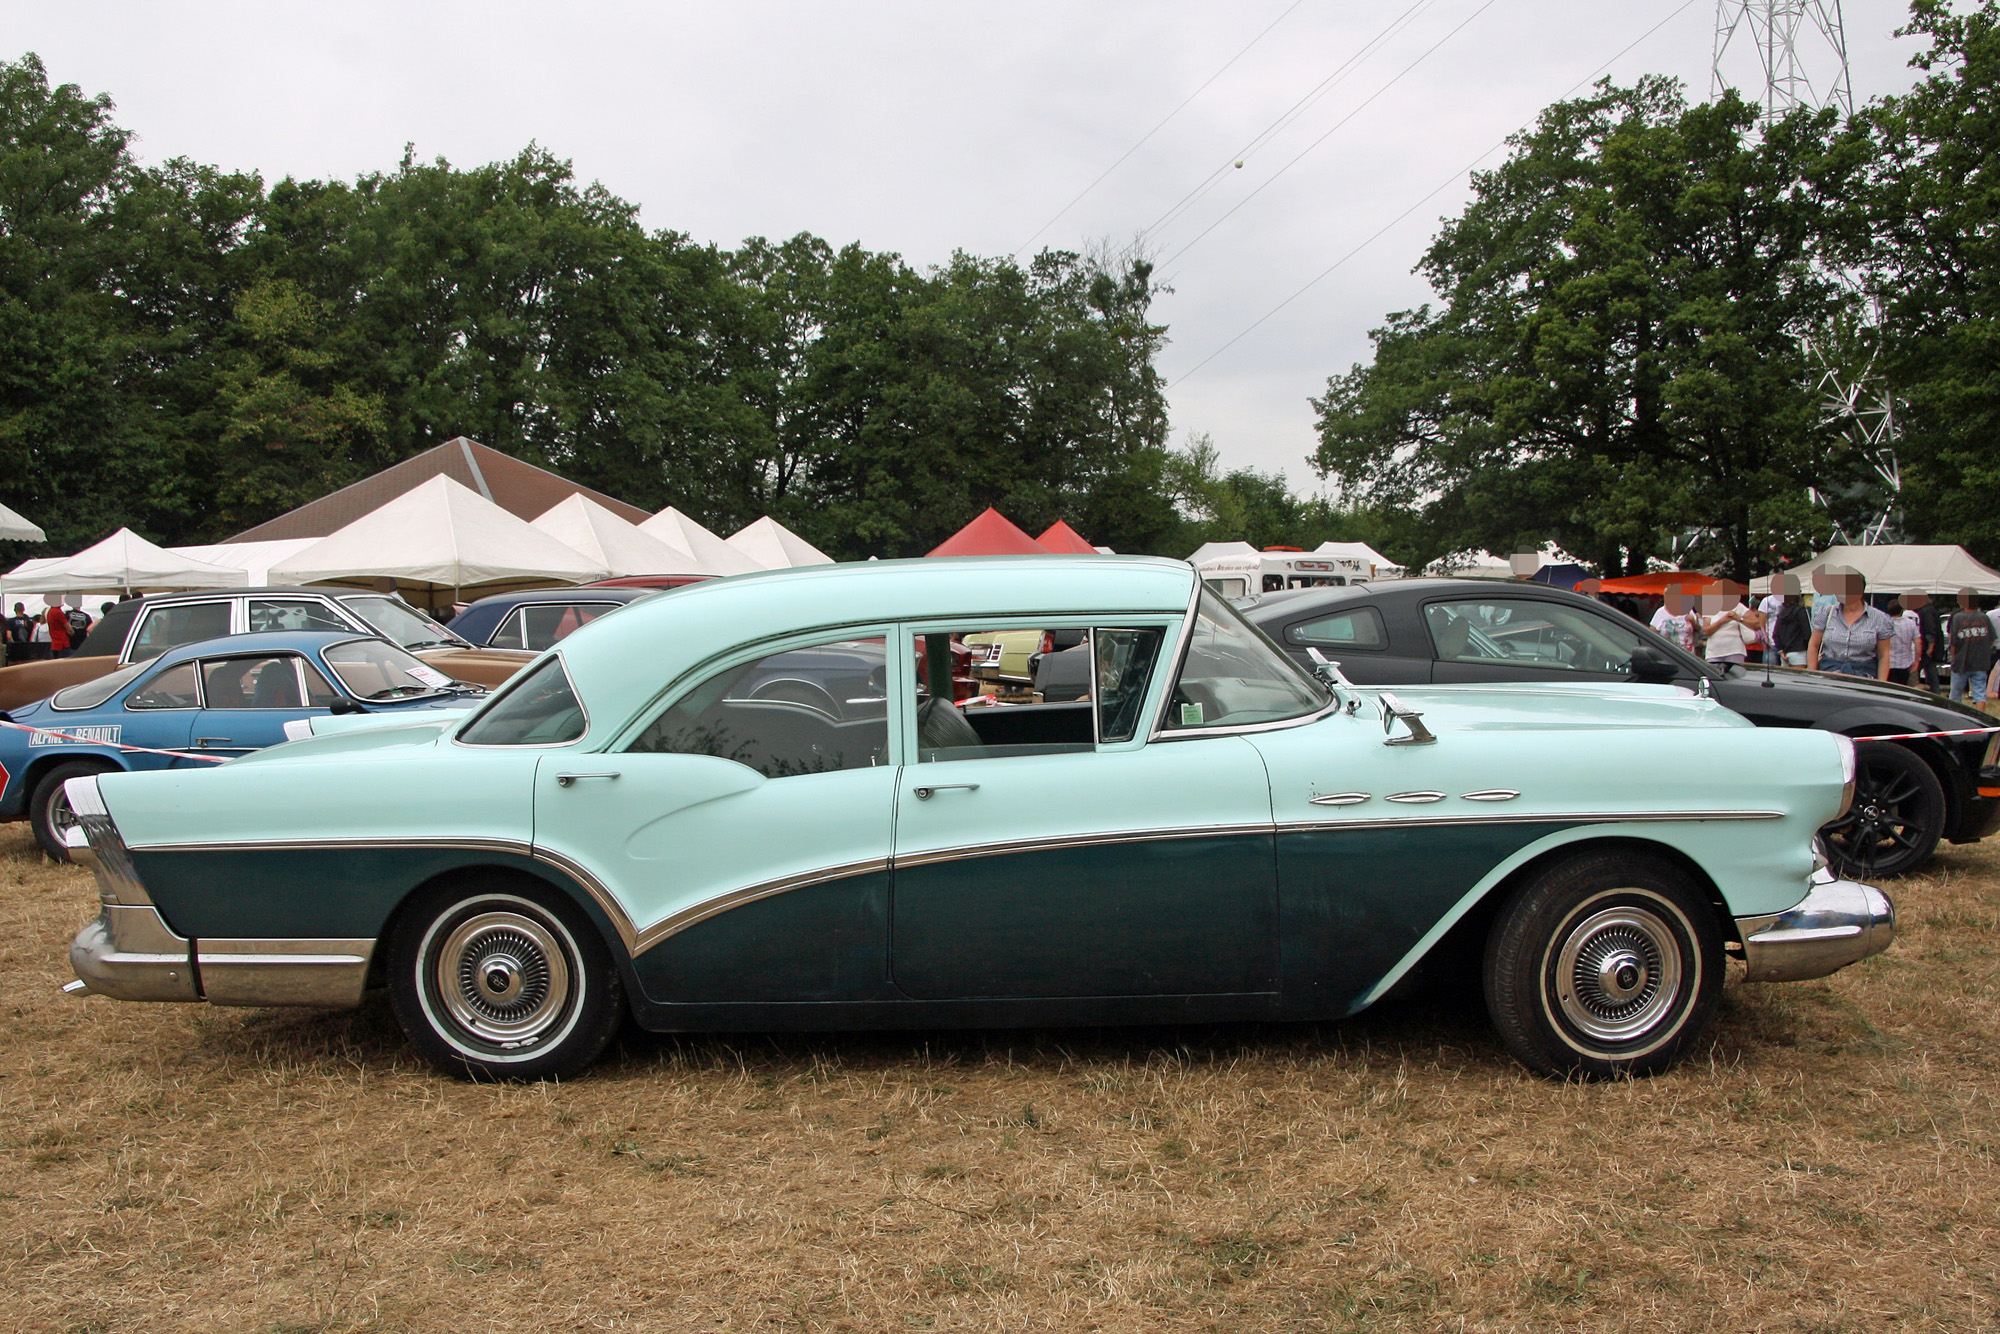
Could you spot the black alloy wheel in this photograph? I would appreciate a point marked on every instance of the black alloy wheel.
(1606, 965)
(1897, 816)
(48, 808)
(503, 981)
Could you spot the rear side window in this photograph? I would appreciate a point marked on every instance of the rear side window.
(537, 709)
(539, 625)
(802, 711)
(1358, 627)
(93, 693)
(252, 683)
(293, 614)
(170, 627)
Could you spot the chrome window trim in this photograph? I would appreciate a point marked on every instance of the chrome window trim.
(353, 622)
(1244, 729)
(1160, 732)
(234, 604)
(200, 693)
(504, 692)
(521, 610)
(1159, 726)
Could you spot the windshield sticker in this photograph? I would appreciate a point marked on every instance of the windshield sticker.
(80, 735)
(430, 676)
(1190, 715)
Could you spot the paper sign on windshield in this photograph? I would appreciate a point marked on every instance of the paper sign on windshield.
(430, 676)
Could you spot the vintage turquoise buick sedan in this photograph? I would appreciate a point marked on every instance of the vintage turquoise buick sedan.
(741, 808)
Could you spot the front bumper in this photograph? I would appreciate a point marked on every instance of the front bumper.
(130, 953)
(1839, 922)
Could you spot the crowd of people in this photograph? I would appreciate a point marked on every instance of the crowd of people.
(1907, 640)
(51, 632)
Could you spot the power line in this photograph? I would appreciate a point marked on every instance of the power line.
(1291, 113)
(1268, 181)
(1157, 128)
(1188, 374)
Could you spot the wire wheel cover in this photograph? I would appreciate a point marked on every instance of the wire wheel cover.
(1614, 975)
(504, 978)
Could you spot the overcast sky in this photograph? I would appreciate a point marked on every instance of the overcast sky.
(925, 128)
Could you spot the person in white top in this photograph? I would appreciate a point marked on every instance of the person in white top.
(1773, 603)
(1905, 644)
(1675, 626)
(1733, 625)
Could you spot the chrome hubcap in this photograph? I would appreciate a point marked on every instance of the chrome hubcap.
(504, 977)
(1617, 973)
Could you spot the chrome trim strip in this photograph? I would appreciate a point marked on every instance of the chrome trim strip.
(1415, 798)
(1166, 687)
(252, 971)
(1006, 846)
(1340, 799)
(1523, 817)
(1490, 794)
(108, 857)
(736, 898)
(1244, 729)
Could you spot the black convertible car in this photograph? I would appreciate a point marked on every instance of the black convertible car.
(1909, 795)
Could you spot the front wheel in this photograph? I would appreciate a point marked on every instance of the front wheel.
(510, 982)
(1897, 816)
(1609, 964)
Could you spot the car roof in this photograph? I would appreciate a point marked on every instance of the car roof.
(1299, 598)
(258, 590)
(619, 662)
(573, 593)
(263, 641)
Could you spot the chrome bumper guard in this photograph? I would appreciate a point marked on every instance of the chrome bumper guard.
(1839, 922)
(130, 953)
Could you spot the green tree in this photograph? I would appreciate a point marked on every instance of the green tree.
(1616, 358)
(1935, 211)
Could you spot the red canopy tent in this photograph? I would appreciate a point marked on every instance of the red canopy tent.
(1656, 585)
(991, 534)
(1065, 540)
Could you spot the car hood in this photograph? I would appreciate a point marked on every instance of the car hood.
(1539, 707)
(1833, 693)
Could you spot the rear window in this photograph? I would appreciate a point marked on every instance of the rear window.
(537, 709)
(93, 693)
(1359, 627)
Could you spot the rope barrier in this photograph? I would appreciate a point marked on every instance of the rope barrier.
(116, 745)
(1918, 736)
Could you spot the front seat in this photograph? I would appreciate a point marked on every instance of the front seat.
(940, 726)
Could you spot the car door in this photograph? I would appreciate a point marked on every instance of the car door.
(1493, 637)
(1053, 851)
(159, 710)
(248, 698)
(747, 839)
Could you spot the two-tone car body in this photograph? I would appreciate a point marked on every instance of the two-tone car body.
(1938, 782)
(1212, 834)
(190, 705)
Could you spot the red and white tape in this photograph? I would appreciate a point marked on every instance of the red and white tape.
(115, 745)
(1918, 736)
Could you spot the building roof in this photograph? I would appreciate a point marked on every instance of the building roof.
(521, 489)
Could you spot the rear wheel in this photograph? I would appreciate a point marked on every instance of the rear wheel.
(1897, 816)
(48, 808)
(1605, 965)
(508, 982)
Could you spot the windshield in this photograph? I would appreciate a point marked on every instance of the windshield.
(395, 619)
(93, 693)
(1232, 676)
(373, 670)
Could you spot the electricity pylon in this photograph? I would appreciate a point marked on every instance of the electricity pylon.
(1800, 48)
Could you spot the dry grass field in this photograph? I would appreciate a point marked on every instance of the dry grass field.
(1827, 1164)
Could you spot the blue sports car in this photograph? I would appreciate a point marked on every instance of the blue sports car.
(195, 704)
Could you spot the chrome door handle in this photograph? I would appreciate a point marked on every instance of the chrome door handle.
(564, 780)
(211, 741)
(924, 793)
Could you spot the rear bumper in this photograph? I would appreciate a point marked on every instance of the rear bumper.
(1839, 922)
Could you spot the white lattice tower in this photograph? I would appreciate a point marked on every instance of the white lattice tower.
(1797, 50)
(1858, 402)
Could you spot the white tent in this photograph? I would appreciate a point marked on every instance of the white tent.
(615, 543)
(776, 547)
(1361, 551)
(714, 555)
(1215, 550)
(440, 540)
(255, 559)
(17, 529)
(1900, 568)
(122, 561)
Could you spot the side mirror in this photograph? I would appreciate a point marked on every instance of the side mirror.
(1652, 666)
(345, 705)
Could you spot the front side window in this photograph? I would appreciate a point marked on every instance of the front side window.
(1035, 691)
(268, 682)
(1523, 632)
(294, 614)
(1231, 676)
(375, 671)
(539, 708)
(538, 625)
(801, 711)
(182, 623)
(175, 688)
